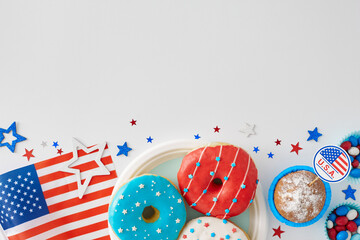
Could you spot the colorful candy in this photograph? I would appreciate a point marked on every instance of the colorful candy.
(343, 224)
(354, 151)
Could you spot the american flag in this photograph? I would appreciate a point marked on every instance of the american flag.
(336, 159)
(40, 202)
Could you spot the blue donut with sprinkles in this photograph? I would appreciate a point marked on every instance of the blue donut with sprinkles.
(147, 207)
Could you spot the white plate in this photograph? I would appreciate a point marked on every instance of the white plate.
(258, 225)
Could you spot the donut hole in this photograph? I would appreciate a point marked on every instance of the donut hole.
(150, 214)
(217, 182)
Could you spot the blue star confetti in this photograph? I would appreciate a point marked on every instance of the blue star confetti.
(55, 144)
(197, 136)
(123, 150)
(270, 155)
(12, 129)
(349, 193)
(149, 139)
(314, 135)
(256, 149)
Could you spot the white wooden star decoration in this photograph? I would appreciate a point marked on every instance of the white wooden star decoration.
(248, 129)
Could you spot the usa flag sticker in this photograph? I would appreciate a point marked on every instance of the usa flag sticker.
(332, 164)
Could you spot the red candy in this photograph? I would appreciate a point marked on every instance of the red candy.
(341, 221)
(355, 163)
(332, 234)
(339, 228)
(351, 226)
(346, 145)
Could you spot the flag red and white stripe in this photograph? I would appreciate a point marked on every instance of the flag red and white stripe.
(340, 164)
(70, 217)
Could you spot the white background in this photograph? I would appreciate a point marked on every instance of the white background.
(85, 68)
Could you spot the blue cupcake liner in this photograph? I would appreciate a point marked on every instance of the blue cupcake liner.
(272, 203)
(346, 138)
(349, 204)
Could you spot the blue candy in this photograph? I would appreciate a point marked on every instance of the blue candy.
(342, 210)
(355, 237)
(357, 221)
(358, 157)
(352, 158)
(332, 217)
(343, 235)
(354, 141)
(355, 173)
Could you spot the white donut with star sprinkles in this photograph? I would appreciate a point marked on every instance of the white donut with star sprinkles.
(212, 228)
(147, 207)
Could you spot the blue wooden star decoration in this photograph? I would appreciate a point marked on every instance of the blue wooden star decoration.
(12, 129)
(349, 193)
(314, 135)
(123, 150)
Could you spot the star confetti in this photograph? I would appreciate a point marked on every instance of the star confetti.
(278, 142)
(314, 135)
(149, 139)
(256, 149)
(43, 144)
(18, 137)
(248, 129)
(278, 232)
(270, 155)
(123, 150)
(28, 154)
(296, 148)
(133, 122)
(197, 136)
(59, 151)
(55, 144)
(349, 193)
(216, 129)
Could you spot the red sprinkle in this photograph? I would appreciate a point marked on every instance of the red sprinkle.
(332, 234)
(351, 226)
(341, 221)
(339, 228)
(355, 163)
(346, 145)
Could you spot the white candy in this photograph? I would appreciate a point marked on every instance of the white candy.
(353, 151)
(358, 231)
(349, 235)
(352, 214)
(330, 224)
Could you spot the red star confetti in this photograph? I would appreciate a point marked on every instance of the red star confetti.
(133, 122)
(216, 129)
(278, 232)
(28, 154)
(296, 148)
(234, 230)
(60, 151)
(206, 224)
(278, 142)
(184, 236)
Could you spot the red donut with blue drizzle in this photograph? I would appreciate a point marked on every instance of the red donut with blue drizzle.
(219, 180)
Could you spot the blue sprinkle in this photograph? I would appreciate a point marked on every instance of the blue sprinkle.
(218, 159)
(198, 164)
(190, 176)
(226, 178)
(243, 186)
(186, 190)
(227, 210)
(215, 199)
(212, 234)
(251, 200)
(224, 221)
(194, 204)
(212, 173)
(192, 230)
(257, 181)
(234, 200)
(208, 214)
(204, 191)
(227, 236)
(198, 221)
(233, 164)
